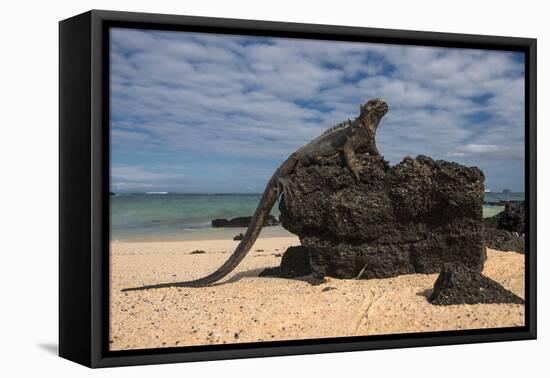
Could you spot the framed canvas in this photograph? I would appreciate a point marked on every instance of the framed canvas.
(234, 188)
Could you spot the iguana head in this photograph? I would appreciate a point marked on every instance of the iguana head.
(373, 111)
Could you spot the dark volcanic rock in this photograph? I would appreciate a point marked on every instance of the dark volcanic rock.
(504, 240)
(242, 222)
(239, 237)
(220, 222)
(411, 217)
(459, 284)
(239, 222)
(506, 230)
(511, 219)
(295, 263)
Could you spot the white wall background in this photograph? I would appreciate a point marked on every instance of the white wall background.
(29, 186)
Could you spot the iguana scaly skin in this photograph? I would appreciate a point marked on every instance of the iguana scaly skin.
(345, 138)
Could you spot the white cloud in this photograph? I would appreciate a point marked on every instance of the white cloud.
(118, 185)
(133, 173)
(489, 150)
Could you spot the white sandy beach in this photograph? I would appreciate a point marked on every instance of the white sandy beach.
(248, 308)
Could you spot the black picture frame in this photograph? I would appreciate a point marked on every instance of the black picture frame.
(84, 189)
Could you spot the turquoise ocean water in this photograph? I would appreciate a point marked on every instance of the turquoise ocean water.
(176, 216)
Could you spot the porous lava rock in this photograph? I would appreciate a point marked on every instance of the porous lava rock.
(294, 263)
(459, 284)
(409, 218)
(242, 222)
(506, 230)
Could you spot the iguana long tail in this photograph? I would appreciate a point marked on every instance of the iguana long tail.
(267, 201)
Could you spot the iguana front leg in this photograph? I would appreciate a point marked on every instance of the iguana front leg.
(283, 182)
(373, 150)
(351, 161)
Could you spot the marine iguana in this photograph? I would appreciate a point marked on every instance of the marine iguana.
(345, 138)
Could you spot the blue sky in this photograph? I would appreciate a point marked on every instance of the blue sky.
(195, 112)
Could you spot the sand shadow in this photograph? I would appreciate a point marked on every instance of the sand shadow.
(51, 348)
(311, 279)
(275, 272)
(241, 275)
(425, 293)
(235, 278)
(256, 273)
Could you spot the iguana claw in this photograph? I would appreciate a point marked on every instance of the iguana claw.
(284, 186)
